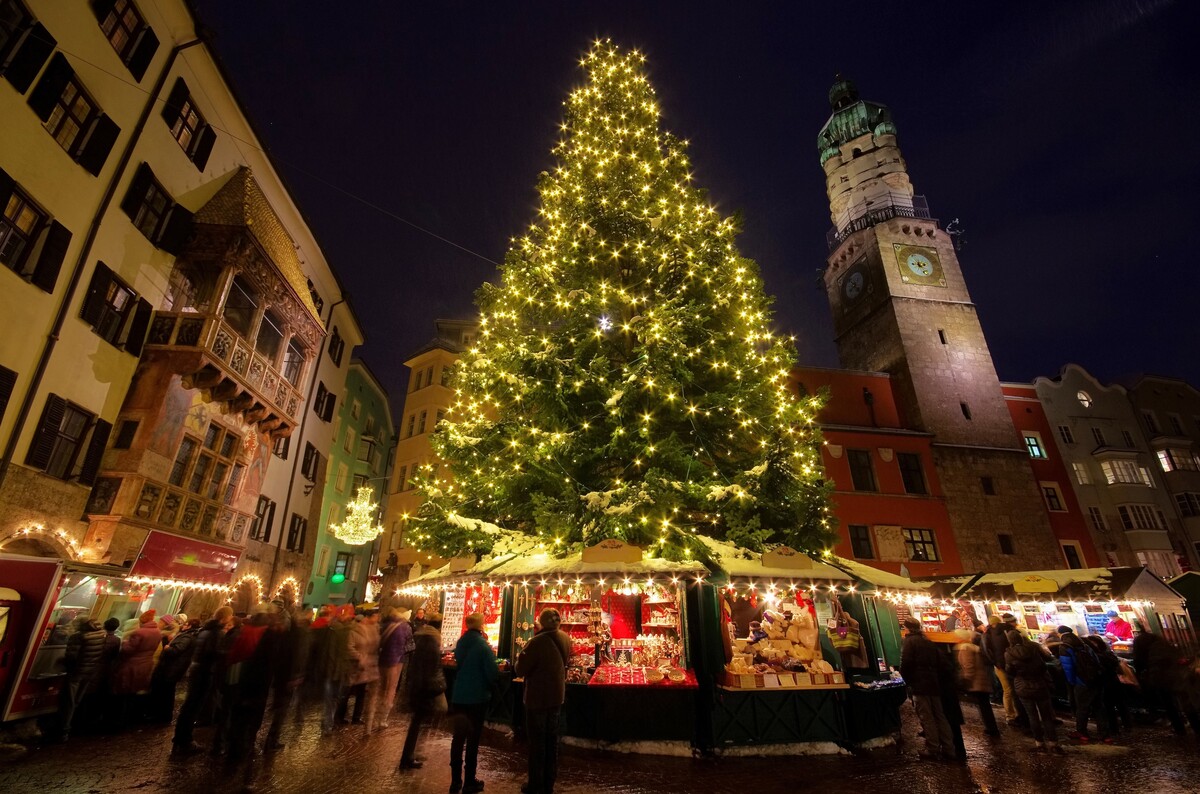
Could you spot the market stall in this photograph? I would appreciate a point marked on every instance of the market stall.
(626, 615)
(1101, 601)
(807, 649)
(170, 574)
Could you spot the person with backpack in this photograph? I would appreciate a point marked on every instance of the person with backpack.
(1085, 676)
(1026, 662)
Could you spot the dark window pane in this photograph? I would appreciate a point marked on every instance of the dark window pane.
(912, 473)
(861, 472)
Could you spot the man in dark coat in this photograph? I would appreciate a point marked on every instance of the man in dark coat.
(424, 683)
(84, 658)
(173, 662)
(205, 662)
(543, 665)
(922, 669)
(1160, 673)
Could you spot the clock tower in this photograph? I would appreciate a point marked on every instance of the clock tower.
(900, 305)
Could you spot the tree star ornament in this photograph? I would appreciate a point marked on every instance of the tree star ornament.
(626, 382)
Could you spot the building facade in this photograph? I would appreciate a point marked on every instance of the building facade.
(360, 458)
(426, 402)
(165, 306)
(887, 498)
(1111, 467)
(1169, 414)
(1076, 540)
(901, 306)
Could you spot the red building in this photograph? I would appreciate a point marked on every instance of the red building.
(1050, 470)
(887, 498)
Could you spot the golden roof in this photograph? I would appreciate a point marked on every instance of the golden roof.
(241, 202)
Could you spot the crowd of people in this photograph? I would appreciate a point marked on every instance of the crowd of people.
(242, 672)
(1002, 659)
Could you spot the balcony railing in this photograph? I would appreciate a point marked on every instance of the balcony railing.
(219, 340)
(876, 214)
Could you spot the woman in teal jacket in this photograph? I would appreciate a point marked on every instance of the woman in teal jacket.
(473, 681)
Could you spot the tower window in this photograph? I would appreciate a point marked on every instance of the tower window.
(1006, 543)
(966, 410)
(942, 335)
(989, 485)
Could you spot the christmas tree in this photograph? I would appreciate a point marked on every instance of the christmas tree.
(626, 382)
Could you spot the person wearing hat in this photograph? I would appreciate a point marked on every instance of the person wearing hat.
(922, 670)
(395, 643)
(1118, 628)
(477, 672)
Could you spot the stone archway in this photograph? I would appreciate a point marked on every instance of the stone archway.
(30, 546)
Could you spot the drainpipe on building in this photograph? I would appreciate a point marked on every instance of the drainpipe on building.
(84, 253)
(287, 502)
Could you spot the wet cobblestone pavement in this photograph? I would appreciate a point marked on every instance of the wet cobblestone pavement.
(1152, 761)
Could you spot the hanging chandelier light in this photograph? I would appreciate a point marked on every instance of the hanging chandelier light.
(359, 526)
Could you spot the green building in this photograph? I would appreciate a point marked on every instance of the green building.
(362, 448)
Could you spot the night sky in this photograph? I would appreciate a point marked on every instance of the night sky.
(1063, 137)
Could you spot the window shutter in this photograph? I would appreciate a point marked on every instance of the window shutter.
(137, 190)
(27, 56)
(139, 326)
(93, 302)
(8, 380)
(327, 409)
(101, 8)
(95, 452)
(47, 432)
(175, 100)
(54, 250)
(7, 185)
(51, 86)
(175, 231)
(203, 148)
(143, 53)
(98, 144)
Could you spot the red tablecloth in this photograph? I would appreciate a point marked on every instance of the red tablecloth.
(611, 675)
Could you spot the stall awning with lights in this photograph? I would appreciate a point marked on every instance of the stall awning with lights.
(1075, 584)
(172, 559)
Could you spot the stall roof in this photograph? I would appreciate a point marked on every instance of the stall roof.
(1074, 583)
(517, 554)
(735, 562)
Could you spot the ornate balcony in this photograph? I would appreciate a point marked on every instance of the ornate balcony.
(212, 357)
(876, 214)
(168, 507)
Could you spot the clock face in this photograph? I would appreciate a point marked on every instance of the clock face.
(919, 265)
(854, 285)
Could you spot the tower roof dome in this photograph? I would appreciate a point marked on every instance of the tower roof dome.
(851, 118)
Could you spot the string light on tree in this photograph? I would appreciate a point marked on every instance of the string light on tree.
(626, 382)
(359, 526)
